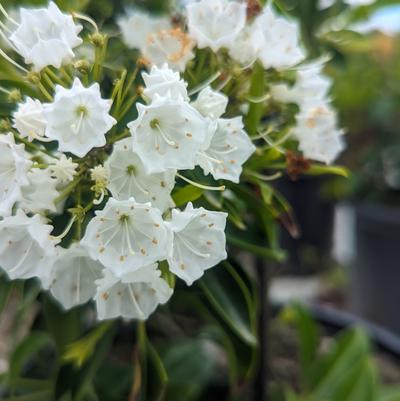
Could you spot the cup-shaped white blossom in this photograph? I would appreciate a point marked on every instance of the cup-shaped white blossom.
(164, 82)
(246, 47)
(318, 134)
(310, 89)
(74, 275)
(216, 23)
(279, 40)
(39, 195)
(133, 296)
(14, 167)
(138, 26)
(229, 148)
(127, 178)
(171, 46)
(127, 235)
(199, 242)
(46, 36)
(211, 103)
(26, 247)
(29, 119)
(168, 134)
(78, 118)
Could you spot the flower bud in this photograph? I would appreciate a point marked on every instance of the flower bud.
(98, 39)
(5, 125)
(83, 66)
(15, 96)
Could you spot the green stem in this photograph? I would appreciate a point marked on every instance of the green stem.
(67, 190)
(45, 92)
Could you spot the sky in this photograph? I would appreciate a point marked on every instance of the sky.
(386, 20)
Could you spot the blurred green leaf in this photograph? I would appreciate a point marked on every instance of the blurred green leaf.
(231, 298)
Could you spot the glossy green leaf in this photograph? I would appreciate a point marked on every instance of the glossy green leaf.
(188, 193)
(231, 298)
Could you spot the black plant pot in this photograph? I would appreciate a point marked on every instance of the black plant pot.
(315, 216)
(375, 281)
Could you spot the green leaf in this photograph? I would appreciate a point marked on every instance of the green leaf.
(276, 255)
(317, 169)
(389, 394)
(191, 366)
(189, 193)
(24, 352)
(80, 351)
(232, 300)
(45, 395)
(6, 288)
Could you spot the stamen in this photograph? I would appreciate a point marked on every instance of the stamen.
(211, 158)
(201, 186)
(22, 260)
(226, 152)
(191, 248)
(87, 19)
(199, 88)
(10, 60)
(224, 83)
(77, 127)
(260, 99)
(128, 239)
(100, 200)
(2, 9)
(136, 182)
(67, 229)
(165, 137)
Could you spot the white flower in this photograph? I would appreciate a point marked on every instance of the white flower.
(133, 296)
(26, 248)
(318, 135)
(64, 169)
(279, 41)
(168, 134)
(211, 103)
(29, 119)
(14, 166)
(164, 82)
(128, 178)
(199, 242)
(228, 149)
(73, 276)
(127, 235)
(78, 118)
(46, 36)
(245, 49)
(40, 192)
(171, 46)
(311, 88)
(137, 28)
(216, 23)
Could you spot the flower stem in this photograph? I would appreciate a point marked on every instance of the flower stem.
(67, 190)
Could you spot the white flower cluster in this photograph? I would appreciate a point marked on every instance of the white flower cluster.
(270, 38)
(131, 224)
(317, 123)
(216, 24)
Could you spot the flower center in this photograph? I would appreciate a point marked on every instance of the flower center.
(124, 218)
(131, 169)
(82, 110)
(155, 123)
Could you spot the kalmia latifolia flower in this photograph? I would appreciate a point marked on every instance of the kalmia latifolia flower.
(78, 118)
(106, 168)
(46, 36)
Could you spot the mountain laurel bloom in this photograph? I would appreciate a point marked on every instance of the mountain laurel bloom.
(132, 296)
(73, 278)
(14, 167)
(78, 118)
(168, 134)
(46, 36)
(27, 250)
(127, 178)
(211, 103)
(127, 235)
(216, 23)
(199, 242)
(29, 119)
